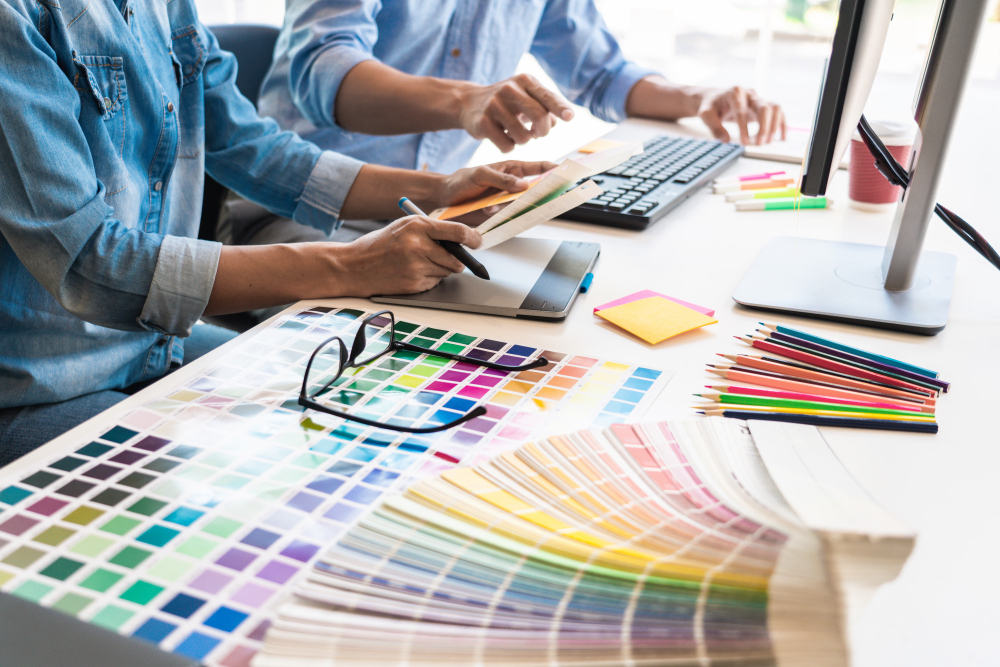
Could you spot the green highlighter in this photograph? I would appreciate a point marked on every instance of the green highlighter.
(783, 203)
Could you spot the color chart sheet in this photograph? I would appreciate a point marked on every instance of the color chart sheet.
(188, 520)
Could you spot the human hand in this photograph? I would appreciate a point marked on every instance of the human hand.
(467, 183)
(741, 105)
(402, 257)
(501, 112)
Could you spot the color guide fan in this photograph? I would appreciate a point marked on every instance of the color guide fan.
(185, 521)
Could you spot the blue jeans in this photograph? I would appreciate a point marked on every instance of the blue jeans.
(22, 429)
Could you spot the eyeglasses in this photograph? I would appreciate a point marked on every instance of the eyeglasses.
(375, 338)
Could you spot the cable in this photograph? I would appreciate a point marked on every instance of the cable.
(895, 174)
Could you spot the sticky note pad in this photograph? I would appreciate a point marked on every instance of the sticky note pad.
(646, 293)
(598, 145)
(655, 319)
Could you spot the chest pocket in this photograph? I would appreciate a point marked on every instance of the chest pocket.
(188, 55)
(101, 82)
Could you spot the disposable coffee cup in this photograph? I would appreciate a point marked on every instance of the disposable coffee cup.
(869, 190)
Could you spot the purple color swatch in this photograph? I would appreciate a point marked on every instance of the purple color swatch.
(18, 524)
(236, 559)
(260, 538)
(343, 512)
(151, 443)
(490, 345)
(211, 581)
(305, 501)
(299, 550)
(486, 380)
(127, 457)
(480, 425)
(443, 387)
(48, 506)
(466, 438)
(453, 376)
(252, 595)
(277, 572)
(508, 360)
(464, 366)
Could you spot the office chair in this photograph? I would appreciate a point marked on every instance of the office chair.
(253, 46)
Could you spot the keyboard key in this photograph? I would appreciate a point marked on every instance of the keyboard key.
(616, 206)
(616, 171)
(631, 172)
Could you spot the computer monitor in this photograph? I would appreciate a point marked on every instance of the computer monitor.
(895, 286)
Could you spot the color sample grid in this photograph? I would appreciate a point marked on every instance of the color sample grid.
(188, 519)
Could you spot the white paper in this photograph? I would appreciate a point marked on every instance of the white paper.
(543, 213)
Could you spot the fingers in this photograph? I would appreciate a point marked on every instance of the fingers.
(494, 132)
(765, 124)
(503, 111)
(552, 103)
(488, 177)
(742, 113)
(443, 230)
(713, 121)
(521, 168)
(784, 125)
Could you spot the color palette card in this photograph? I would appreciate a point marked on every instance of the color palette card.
(655, 319)
(187, 519)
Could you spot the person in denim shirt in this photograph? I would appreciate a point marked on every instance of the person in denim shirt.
(419, 83)
(110, 115)
(435, 77)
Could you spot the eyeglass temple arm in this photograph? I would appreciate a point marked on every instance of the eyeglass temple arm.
(307, 402)
(410, 347)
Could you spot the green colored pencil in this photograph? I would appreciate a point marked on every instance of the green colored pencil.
(742, 399)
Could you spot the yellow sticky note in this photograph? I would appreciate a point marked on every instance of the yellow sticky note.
(598, 145)
(655, 319)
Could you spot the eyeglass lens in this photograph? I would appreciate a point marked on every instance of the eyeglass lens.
(378, 332)
(326, 367)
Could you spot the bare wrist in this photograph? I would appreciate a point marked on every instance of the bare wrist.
(655, 97)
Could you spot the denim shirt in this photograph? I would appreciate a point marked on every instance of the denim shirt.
(110, 115)
(472, 40)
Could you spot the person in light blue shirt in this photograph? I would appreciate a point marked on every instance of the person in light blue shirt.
(111, 112)
(418, 83)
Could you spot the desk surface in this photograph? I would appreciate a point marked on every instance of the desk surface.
(941, 610)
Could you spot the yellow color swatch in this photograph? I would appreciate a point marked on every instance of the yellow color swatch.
(655, 319)
(598, 145)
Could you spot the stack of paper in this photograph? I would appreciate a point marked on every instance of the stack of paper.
(548, 197)
(676, 543)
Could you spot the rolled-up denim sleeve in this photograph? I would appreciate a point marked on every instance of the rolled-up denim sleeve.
(254, 157)
(53, 212)
(575, 47)
(326, 40)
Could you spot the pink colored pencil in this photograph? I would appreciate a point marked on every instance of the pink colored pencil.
(794, 395)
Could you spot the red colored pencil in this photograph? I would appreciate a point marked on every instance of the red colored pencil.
(835, 366)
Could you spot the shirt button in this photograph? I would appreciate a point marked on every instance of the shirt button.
(170, 107)
(107, 102)
(424, 166)
(158, 186)
(456, 52)
(161, 341)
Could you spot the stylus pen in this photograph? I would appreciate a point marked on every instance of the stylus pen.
(456, 249)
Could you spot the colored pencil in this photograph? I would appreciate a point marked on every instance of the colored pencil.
(798, 396)
(783, 203)
(847, 348)
(815, 420)
(816, 360)
(763, 184)
(880, 386)
(788, 383)
(827, 413)
(748, 177)
(797, 404)
(800, 371)
(769, 193)
(855, 360)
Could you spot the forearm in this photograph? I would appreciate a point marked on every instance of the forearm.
(377, 189)
(251, 277)
(377, 99)
(655, 97)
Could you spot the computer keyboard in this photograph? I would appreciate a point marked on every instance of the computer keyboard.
(643, 189)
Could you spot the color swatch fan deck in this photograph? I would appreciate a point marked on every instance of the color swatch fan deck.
(655, 544)
(185, 519)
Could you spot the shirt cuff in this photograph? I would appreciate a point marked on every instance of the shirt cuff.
(327, 73)
(182, 283)
(323, 197)
(612, 104)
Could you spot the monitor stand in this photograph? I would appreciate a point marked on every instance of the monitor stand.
(840, 281)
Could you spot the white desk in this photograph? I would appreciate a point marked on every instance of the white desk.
(942, 609)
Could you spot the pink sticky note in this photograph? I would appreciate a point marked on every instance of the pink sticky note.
(645, 294)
